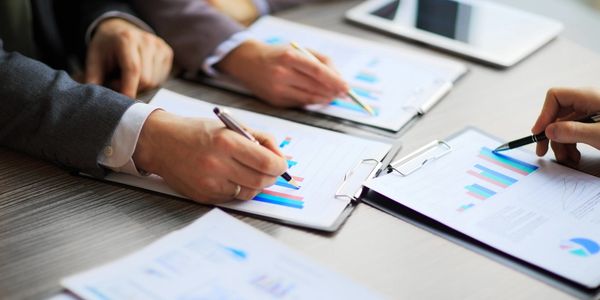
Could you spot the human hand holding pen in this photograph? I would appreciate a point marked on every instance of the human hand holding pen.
(205, 161)
(561, 107)
(282, 76)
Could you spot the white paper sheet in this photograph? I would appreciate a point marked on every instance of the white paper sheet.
(216, 257)
(396, 83)
(317, 158)
(531, 208)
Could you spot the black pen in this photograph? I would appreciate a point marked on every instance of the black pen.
(236, 126)
(541, 136)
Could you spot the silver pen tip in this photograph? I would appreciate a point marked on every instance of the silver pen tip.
(501, 148)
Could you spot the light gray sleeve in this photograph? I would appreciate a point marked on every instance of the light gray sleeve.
(46, 114)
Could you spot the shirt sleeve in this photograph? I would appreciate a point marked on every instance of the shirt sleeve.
(222, 50)
(115, 14)
(262, 6)
(118, 154)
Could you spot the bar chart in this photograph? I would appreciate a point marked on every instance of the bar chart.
(495, 172)
(282, 193)
(492, 173)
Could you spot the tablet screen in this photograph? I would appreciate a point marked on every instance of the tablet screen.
(443, 17)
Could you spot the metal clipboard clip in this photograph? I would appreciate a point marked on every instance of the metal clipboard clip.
(419, 158)
(352, 186)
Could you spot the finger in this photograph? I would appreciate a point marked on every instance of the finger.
(166, 62)
(299, 97)
(559, 152)
(309, 86)
(541, 148)
(316, 70)
(247, 193)
(573, 154)
(130, 64)
(571, 132)
(147, 53)
(250, 178)
(94, 68)
(267, 141)
(324, 59)
(249, 153)
(562, 101)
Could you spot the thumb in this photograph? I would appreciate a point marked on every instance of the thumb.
(571, 132)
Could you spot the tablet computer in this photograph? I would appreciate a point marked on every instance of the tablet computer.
(489, 32)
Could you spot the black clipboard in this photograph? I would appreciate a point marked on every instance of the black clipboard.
(435, 150)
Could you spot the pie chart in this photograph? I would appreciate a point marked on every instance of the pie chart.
(580, 247)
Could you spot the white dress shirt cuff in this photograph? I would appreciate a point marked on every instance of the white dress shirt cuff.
(222, 50)
(118, 154)
(262, 6)
(115, 14)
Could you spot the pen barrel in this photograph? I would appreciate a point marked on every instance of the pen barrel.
(527, 140)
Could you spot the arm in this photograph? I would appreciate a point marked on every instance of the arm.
(192, 27)
(48, 115)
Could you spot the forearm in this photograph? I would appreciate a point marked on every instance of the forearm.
(48, 115)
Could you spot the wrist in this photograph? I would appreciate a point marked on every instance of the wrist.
(236, 62)
(147, 154)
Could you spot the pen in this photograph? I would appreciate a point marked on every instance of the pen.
(236, 126)
(542, 136)
(350, 93)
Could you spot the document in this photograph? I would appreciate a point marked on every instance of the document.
(531, 208)
(216, 257)
(397, 83)
(317, 158)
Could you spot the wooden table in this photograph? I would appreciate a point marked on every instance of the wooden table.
(53, 224)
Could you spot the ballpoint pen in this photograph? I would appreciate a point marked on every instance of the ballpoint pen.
(349, 93)
(236, 126)
(541, 136)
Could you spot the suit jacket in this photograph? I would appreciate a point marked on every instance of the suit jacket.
(57, 27)
(48, 115)
(193, 28)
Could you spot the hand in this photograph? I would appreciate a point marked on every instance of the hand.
(205, 161)
(243, 11)
(142, 59)
(563, 105)
(283, 76)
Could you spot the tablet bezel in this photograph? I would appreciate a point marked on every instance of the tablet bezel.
(361, 14)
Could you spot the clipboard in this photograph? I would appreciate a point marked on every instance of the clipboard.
(371, 70)
(321, 159)
(420, 158)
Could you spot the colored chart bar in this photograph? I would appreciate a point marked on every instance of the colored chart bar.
(281, 182)
(492, 176)
(285, 142)
(275, 40)
(365, 93)
(478, 190)
(352, 106)
(291, 163)
(465, 207)
(507, 162)
(280, 199)
(366, 77)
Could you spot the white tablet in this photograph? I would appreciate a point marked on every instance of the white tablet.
(483, 30)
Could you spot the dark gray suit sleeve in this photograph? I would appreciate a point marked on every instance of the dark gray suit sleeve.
(193, 28)
(48, 115)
